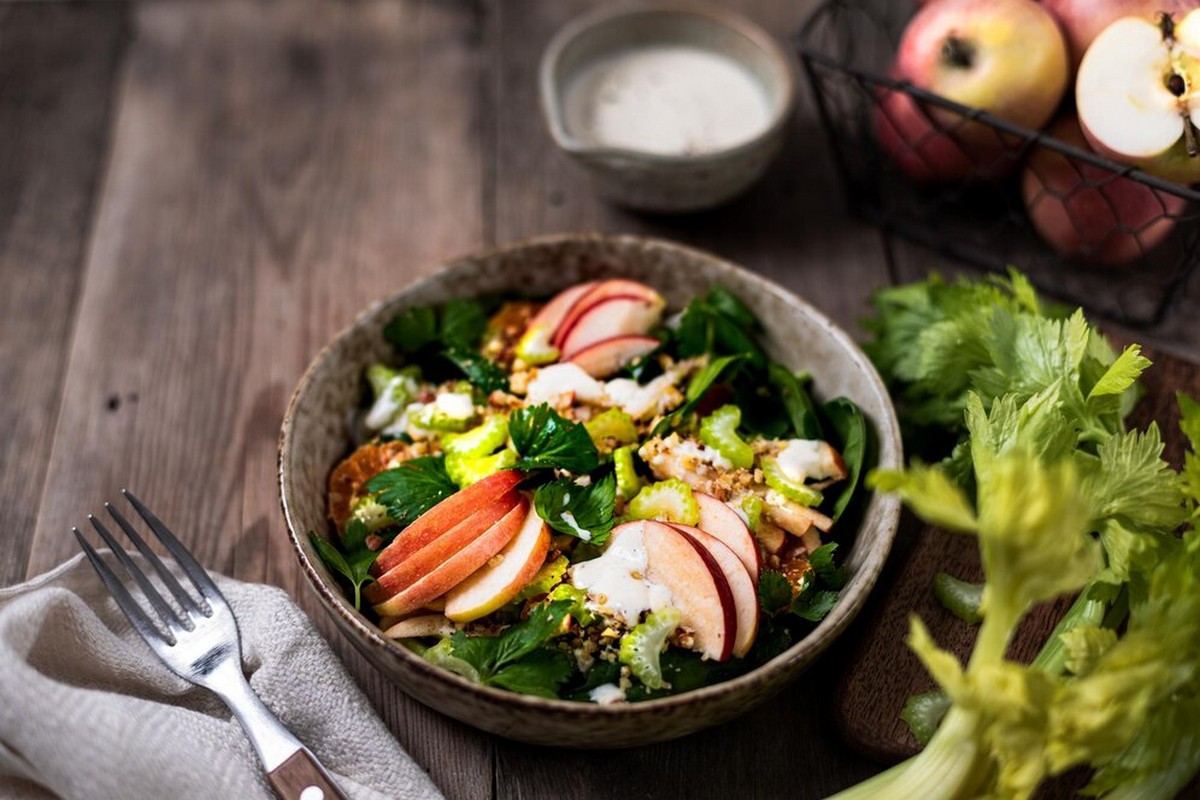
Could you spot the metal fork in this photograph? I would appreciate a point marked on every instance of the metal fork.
(203, 646)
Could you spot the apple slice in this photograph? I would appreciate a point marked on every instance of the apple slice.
(497, 582)
(535, 345)
(443, 577)
(414, 627)
(1137, 97)
(604, 290)
(615, 316)
(441, 548)
(741, 586)
(718, 519)
(457, 508)
(698, 586)
(607, 356)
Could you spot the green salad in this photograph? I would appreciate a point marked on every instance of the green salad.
(594, 498)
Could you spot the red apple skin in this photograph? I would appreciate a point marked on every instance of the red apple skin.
(455, 509)
(1082, 20)
(442, 577)
(741, 587)
(717, 518)
(622, 315)
(1016, 64)
(697, 583)
(1086, 214)
(926, 152)
(599, 292)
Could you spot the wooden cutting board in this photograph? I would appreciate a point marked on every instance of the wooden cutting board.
(881, 672)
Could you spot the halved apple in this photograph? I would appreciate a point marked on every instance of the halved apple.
(443, 577)
(698, 586)
(615, 316)
(609, 355)
(599, 293)
(1138, 95)
(535, 345)
(743, 589)
(499, 581)
(477, 503)
(720, 520)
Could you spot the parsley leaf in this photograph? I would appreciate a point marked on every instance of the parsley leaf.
(412, 488)
(545, 439)
(478, 369)
(585, 512)
(774, 591)
(463, 322)
(830, 573)
(412, 330)
(814, 604)
(354, 566)
(514, 659)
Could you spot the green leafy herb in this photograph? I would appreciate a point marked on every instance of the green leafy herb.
(355, 564)
(546, 440)
(774, 591)
(719, 324)
(514, 660)
(585, 512)
(814, 604)
(823, 564)
(412, 488)
(850, 428)
(463, 322)
(478, 369)
(800, 408)
(700, 383)
(413, 330)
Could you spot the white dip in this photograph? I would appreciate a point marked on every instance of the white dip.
(607, 693)
(666, 99)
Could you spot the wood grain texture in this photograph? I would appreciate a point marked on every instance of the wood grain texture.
(276, 167)
(57, 68)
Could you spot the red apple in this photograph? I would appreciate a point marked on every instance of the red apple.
(535, 345)
(442, 577)
(720, 520)
(484, 502)
(741, 587)
(1138, 95)
(615, 316)
(609, 355)
(918, 146)
(1086, 212)
(1083, 20)
(499, 581)
(605, 290)
(1006, 57)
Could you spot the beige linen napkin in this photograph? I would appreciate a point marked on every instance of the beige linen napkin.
(88, 711)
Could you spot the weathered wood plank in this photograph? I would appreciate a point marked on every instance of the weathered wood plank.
(786, 228)
(57, 67)
(276, 167)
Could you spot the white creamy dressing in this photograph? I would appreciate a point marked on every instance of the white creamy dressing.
(690, 448)
(670, 99)
(606, 694)
(553, 383)
(383, 410)
(455, 405)
(616, 582)
(806, 458)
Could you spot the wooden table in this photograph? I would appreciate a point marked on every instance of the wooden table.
(195, 196)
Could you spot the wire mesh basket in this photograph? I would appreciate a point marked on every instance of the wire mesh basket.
(959, 180)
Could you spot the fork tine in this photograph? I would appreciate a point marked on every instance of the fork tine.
(186, 600)
(165, 612)
(197, 573)
(125, 602)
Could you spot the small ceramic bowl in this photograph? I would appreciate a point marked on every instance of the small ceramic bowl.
(668, 181)
(315, 436)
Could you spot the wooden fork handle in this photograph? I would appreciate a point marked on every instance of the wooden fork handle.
(301, 778)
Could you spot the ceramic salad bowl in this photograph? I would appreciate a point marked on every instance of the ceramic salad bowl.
(316, 435)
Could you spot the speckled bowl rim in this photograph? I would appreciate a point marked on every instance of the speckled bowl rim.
(553, 112)
(806, 649)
